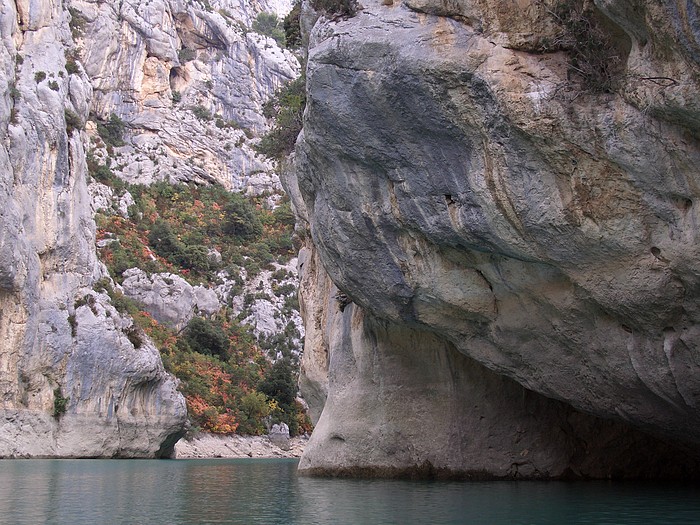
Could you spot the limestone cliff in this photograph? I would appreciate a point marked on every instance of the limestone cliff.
(76, 379)
(505, 194)
(187, 81)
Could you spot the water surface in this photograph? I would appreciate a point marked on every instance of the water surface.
(269, 492)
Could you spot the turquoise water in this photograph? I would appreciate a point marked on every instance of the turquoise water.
(258, 491)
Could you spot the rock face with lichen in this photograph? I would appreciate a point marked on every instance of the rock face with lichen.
(506, 199)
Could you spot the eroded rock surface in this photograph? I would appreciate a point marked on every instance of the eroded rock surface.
(472, 193)
(168, 297)
(76, 378)
(189, 80)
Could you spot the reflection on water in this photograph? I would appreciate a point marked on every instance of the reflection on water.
(248, 492)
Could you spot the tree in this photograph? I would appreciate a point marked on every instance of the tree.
(269, 25)
(280, 385)
(240, 219)
(286, 107)
(196, 257)
(292, 27)
(207, 338)
(111, 131)
(252, 408)
(165, 243)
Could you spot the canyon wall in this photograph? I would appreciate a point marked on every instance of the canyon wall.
(186, 81)
(500, 204)
(76, 379)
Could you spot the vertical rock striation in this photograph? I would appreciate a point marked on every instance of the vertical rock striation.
(513, 214)
(189, 79)
(76, 378)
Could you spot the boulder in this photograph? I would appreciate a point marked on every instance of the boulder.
(279, 436)
(168, 297)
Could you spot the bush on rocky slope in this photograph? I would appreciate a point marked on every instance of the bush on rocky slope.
(176, 228)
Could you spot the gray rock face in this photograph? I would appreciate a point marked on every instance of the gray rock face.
(168, 297)
(191, 84)
(404, 402)
(119, 401)
(76, 379)
(476, 197)
(264, 305)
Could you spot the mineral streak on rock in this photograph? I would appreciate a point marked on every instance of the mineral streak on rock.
(517, 238)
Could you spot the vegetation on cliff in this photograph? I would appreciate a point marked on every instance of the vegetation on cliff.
(286, 109)
(225, 371)
(173, 228)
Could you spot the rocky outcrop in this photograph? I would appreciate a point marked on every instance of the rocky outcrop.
(95, 387)
(267, 304)
(513, 224)
(168, 297)
(192, 81)
(403, 402)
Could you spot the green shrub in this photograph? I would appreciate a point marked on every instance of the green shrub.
(73, 322)
(122, 303)
(206, 337)
(177, 97)
(346, 8)
(86, 300)
(240, 219)
(39, 76)
(269, 25)
(53, 85)
(202, 113)
(280, 384)
(15, 93)
(286, 107)
(73, 121)
(196, 257)
(122, 261)
(72, 66)
(104, 174)
(283, 213)
(252, 409)
(165, 243)
(60, 403)
(111, 131)
(77, 22)
(292, 27)
(186, 54)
